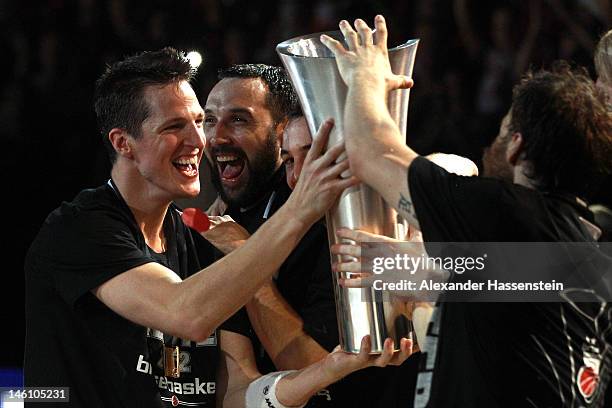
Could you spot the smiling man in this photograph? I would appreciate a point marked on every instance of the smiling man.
(246, 113)
(120, 307)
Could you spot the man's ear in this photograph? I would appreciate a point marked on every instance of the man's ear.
(121, 141)
(515, 148)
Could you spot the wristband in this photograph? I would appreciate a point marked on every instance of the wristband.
(261, 393)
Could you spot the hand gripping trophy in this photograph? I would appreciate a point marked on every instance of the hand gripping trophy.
(312, 69)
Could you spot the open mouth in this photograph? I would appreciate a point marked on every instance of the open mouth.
(230, 166)
(188, 166)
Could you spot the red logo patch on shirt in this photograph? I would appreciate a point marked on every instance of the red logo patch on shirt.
(588, 381)
(175, 401)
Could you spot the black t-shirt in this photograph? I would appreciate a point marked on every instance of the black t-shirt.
(507, 354)
(74, 340)
(305, 281)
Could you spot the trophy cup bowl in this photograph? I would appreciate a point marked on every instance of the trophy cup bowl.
(322, 93)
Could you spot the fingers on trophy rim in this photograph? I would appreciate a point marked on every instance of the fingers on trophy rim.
(333, 45)
(350, 36)
(381, 30)
(365, 32)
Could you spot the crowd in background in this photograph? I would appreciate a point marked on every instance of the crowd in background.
(470, 54)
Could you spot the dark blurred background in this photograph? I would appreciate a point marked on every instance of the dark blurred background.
(471, 53)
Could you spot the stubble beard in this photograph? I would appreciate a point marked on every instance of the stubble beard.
(261, 169)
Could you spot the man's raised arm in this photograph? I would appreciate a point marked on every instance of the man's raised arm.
(374, 145)
(154, 296)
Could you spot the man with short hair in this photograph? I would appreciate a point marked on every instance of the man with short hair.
(246, 113)
(119, 308)
(293, 316)
(554, 141)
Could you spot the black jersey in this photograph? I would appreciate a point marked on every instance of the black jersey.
(74, 340)
(304, 279)
(507, 354)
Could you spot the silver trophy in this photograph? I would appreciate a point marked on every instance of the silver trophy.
(312, 69)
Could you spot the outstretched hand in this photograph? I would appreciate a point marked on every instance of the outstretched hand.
(338, 363)
(366, 58)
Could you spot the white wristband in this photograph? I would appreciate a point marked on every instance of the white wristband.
(261, 393)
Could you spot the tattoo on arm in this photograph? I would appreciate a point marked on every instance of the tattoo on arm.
(405, 206)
